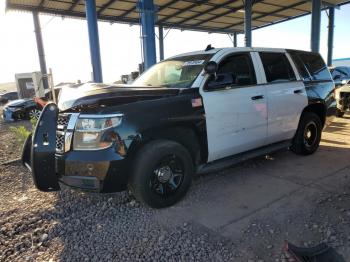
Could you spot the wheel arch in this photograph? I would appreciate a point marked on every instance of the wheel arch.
(185, 134)
(319, 109)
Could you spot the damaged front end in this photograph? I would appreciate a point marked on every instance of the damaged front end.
(92, 161)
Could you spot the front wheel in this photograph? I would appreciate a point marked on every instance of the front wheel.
(308, 136)
(162, 173)
(34, 114)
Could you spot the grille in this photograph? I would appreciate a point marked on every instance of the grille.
(59, 142)
(62, 123)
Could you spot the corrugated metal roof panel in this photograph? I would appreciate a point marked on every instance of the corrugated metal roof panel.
(225, 16)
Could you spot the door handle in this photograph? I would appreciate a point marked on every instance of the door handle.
(257, 97)
(298, 91)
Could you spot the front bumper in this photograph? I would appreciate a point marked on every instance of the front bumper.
(98, 171)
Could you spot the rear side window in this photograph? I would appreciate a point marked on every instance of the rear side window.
(13, 96)
(314, 64)
(277, 67)
(300, 66)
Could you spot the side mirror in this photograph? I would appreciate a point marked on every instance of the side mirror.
(211, 68)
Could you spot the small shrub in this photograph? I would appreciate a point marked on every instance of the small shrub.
(33, 121)
(22, 132)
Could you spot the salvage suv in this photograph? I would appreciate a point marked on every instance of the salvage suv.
(193, 113)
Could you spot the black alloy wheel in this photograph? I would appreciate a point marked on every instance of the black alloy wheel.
(34, 114)
(308, 135)
(167, 176)
(161, 174)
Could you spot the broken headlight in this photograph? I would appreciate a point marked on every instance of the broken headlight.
(94, 132)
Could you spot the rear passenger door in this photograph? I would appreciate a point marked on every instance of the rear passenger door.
(286, 96)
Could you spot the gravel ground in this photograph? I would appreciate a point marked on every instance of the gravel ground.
(76, 226)
(73, 226)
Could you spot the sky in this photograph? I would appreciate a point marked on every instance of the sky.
(67, 48)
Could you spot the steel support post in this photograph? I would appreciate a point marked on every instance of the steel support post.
(161, 43)
(315, 25)
(91, 17)
(248, 4)
(40, 48)
(147, 11)
(330, 36)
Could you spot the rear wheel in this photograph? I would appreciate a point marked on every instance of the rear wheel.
(308, 135)
(162, 173)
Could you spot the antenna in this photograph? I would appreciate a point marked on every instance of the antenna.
(209, 47)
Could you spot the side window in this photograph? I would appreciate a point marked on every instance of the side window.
(13, 95)
(277, 67)
(241, 68)
(315, 65)
(300, 66)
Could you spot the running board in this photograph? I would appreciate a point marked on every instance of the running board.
(230, 161)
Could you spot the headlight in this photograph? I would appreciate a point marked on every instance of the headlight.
(93, 132)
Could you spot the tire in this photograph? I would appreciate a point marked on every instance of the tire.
(339, 113)
(308, 136)
(162, 173)
(34, 114)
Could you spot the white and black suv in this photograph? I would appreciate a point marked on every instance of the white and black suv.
(192, 113)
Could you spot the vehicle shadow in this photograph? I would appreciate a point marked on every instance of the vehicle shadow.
(335, 142)
(336, 126)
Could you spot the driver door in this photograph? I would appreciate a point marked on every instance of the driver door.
(236, 109)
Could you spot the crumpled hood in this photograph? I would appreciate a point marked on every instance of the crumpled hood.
(93, 95)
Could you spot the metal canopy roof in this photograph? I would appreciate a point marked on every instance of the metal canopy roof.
(222, 16)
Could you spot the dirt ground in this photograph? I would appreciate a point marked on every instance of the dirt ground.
(244, 213)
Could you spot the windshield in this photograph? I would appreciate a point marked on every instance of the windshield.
(179, 72)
